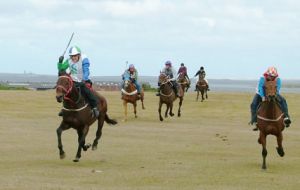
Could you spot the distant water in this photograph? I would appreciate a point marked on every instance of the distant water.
(217, 85)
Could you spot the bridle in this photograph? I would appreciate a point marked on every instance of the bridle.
(67, 91)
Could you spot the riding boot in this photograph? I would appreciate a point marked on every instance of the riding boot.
(208, 87)
(287, 121)
(95, 112)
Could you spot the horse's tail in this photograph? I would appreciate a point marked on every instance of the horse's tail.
(110, 121)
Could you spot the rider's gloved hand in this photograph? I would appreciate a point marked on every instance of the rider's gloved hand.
(61, 59)
(263, 99)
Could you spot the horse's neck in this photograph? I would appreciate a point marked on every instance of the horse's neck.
(167, 88)
(130, 88)
(270, 110)
(77, 100)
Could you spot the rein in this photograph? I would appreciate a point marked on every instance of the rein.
(128, 93)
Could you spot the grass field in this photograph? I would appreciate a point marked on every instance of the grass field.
(210, 147)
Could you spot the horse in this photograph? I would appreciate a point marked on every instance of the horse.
(167, 95)
(202, 87)
(184, 83)
(77, 115)
(129, 95)
(270, 120)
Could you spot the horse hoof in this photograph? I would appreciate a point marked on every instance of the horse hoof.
(179, 114)
(161, 119)
(76, 160)
(94, 147)
(86, 147)
(172, 114)
(135, 116)
(280, 151)
(62, 156)
(264, 167)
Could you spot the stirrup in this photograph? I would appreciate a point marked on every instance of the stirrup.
(287, 121)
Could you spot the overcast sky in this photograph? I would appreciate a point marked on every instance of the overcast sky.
(233, 39)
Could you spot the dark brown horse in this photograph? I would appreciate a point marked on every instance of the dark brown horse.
(167, 95)
(77, 115)
(270, 120)
(184, 83)
(201, 86)
(130, 95)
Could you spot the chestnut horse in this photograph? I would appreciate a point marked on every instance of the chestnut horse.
(184, 83)
(270, 120)
(77, 114)
(201, 86)
(167, 95)
(129, 95)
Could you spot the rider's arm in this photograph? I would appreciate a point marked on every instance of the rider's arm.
(261, 84)
(85, 69)
(136, 75)
(197, 73)
(278, 84)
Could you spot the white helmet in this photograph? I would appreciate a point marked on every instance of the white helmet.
(74, 50)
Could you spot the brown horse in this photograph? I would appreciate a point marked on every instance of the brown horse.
(129, 95)
(77, 115)
(184, 83)
(201, 86)
(167, 96)
(270, 120)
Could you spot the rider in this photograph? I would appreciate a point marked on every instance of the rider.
(171, 73)
(202, 74)
(78, 68)
(270, 75)
(183, 70)
(133, 73)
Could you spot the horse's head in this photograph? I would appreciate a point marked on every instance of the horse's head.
(271, 90)
(163, 78)
(181, 77)
(64, 86)
(126, 78)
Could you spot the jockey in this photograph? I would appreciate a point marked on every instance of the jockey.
(133, 73)
(171, 73)
(183, 70)
(270, 74)
(78, 68)
(202, 75)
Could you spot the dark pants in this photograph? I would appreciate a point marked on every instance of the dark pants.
(175, 86)
(256, 101)
(87, 94)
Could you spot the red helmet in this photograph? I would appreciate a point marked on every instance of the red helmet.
(272, 71)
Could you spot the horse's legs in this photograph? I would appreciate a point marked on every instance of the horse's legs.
(171, 110)
(280, 148)
(142, 100)
(134, 108)
(202, 95)
(167, 110)
(99, 131)
(263, 141)
(159, 111)
(81, 142)
(59, 131)
(125, 110)
(197, 95)
(180, 104)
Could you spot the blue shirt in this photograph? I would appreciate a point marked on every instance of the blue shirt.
(261, 84)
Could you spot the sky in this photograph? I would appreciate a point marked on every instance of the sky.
(231, 39)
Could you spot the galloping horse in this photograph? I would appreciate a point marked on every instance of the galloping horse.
(167, 95)
(270, 120)
(129, 95)
(202, 87)
(77, 115)
(184, 83)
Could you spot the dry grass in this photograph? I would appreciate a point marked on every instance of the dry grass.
(210, 147)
